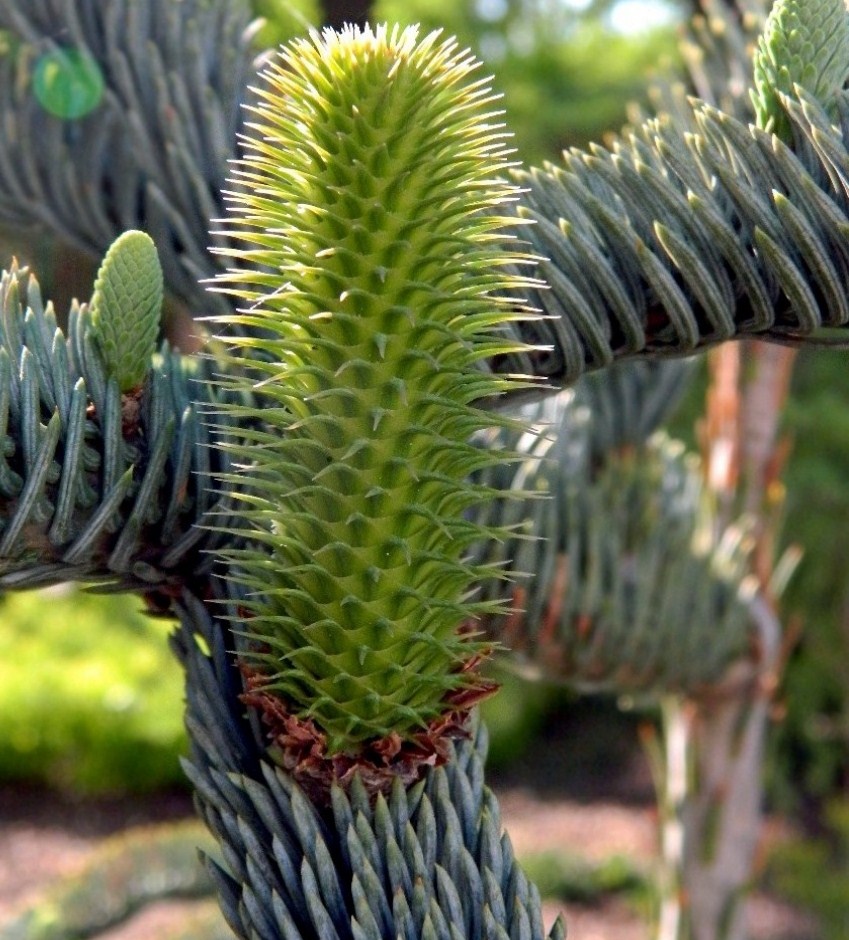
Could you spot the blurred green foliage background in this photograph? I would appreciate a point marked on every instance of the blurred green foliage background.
(90, 695)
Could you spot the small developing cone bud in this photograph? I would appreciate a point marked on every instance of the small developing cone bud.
(126, 307)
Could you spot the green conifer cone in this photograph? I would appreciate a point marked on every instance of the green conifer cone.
(126, 307)
(806, 43)
(369, 203)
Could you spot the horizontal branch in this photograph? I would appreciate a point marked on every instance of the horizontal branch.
(96, 485)
(676, 240)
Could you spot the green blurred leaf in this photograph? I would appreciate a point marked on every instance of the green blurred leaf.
(90, 695)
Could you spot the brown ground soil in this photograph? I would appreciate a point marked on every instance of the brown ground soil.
(545, 804)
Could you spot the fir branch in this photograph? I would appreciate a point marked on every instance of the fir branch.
(716, 48)
(426, 863)
(153, 154)
(671, 242)
(620, 583)
(629, 401)
(96, 485)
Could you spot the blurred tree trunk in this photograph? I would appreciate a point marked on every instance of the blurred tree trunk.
(336, 13)
(712, 788)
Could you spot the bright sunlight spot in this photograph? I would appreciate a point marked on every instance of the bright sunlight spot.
(626, 16)
(636, 16)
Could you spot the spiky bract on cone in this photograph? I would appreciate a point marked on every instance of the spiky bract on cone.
(368, 203)
(126, 306)
(806, 43)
